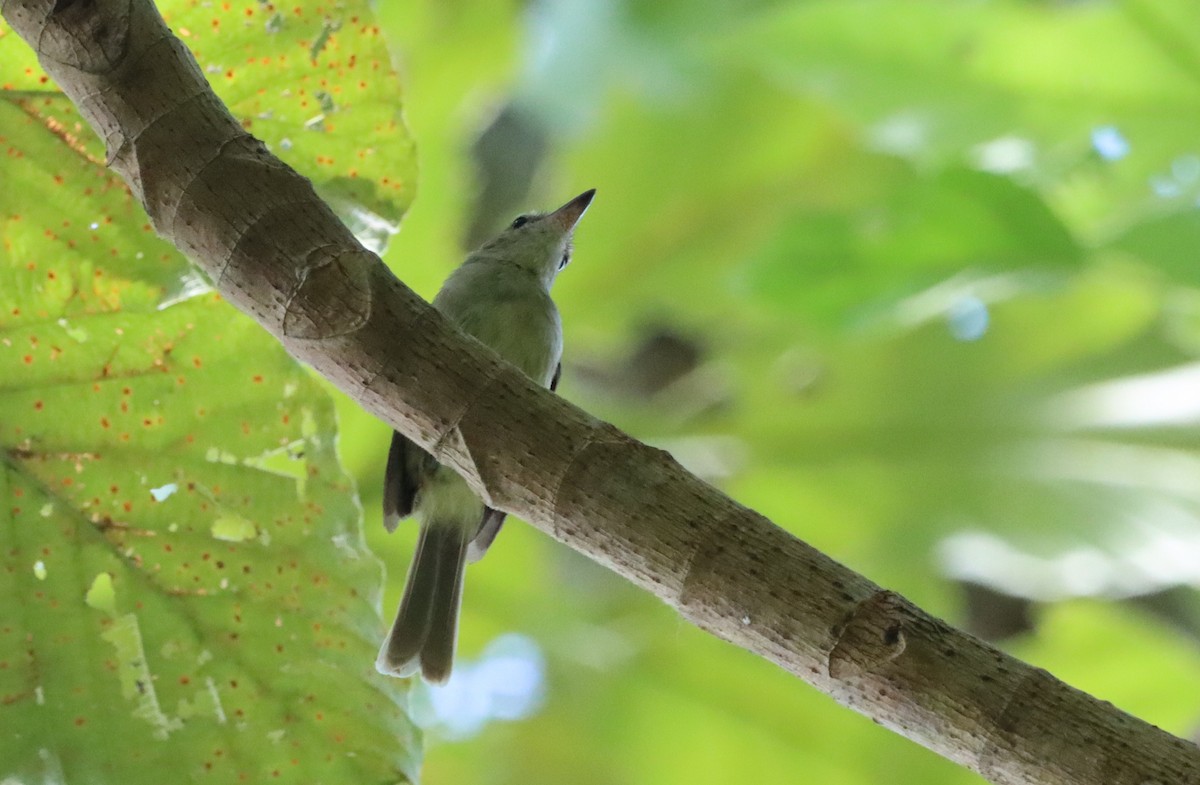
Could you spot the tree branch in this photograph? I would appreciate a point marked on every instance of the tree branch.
(278, 253)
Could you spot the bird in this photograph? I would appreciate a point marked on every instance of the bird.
(501, 296)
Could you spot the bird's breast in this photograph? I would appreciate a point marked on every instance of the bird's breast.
(515, 318)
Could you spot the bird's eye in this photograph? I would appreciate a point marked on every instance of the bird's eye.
(521, 221)
(565, 260)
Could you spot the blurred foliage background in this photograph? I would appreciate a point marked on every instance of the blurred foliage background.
(915, 279)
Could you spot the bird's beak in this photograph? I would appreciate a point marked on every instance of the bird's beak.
(569, 214)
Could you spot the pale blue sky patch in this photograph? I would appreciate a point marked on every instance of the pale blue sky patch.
(1109, 143)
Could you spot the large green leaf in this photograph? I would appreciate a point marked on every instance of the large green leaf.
(186, 585)
(313, 81)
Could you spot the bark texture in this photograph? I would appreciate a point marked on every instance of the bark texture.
(277, 252)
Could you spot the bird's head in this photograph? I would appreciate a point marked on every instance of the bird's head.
(539, 243)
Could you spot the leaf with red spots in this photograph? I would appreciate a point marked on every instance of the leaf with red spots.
(186, 585)
(313, 81)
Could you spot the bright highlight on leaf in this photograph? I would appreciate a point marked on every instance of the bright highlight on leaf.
(137, 681)
(233, 528)
(101, 595)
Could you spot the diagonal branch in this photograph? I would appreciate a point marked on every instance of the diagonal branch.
(278, 253)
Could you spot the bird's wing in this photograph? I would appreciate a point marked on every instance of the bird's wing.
(400, 480)
(489, 527)
(493, 519)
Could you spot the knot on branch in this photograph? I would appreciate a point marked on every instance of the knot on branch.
(872, 635)
(333, 296)
(89, 35)
(604, 448)
(702, 572)
(460, 439)
(1031, 721)
(626, 490)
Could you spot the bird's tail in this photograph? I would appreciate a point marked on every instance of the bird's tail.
(423, 635)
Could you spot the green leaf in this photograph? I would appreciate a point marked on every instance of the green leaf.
(176, 603)
(314, 81)
(922, 231)
(1167, 243)
(187, 586)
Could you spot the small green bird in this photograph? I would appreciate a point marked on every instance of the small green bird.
(501, 296)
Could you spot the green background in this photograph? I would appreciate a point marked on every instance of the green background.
(917, 280)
